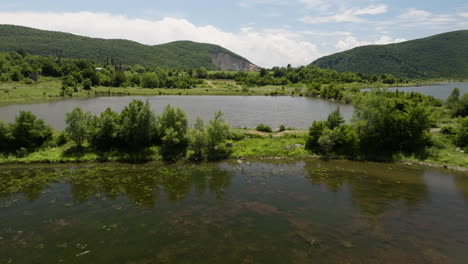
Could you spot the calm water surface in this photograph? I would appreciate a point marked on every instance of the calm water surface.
(263, 212)
(240, 111)
(441, 91)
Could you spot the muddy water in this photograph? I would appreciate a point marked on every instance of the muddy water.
(259, 212)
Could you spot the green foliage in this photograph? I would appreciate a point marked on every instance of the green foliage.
(179, 54)
(439, 56)
(335, 119)
(149, 80)
(461, 137)
(198, 140)
(264, 128)
(217, 133)
(173, 127)
(78, 125)
(4, 137)
(138, 126)
(389, 122)
(87, 84)
(105, 130)
(315, 132)
(29, 132)
(282, 128)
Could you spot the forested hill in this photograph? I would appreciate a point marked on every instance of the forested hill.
(185, 54)
(439, 56)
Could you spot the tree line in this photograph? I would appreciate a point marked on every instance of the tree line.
(385, 123)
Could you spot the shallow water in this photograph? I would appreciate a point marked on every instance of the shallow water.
(240, 111)
(262, 212)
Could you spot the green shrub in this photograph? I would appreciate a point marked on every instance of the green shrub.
(264, 128)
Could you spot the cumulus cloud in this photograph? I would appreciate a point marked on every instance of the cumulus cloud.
(265, 48)
(350, 15)
(352, 42)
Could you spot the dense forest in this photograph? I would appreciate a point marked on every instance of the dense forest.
(439, 56)
(179, 54)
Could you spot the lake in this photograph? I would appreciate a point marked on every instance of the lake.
(308, 211)
(441, 90)
(240, 111)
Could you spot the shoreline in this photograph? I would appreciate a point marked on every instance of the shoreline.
(238, 160)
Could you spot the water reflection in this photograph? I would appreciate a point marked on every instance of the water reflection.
(373, 188)
(143, 186)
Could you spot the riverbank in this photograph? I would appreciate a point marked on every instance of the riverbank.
(253, 145)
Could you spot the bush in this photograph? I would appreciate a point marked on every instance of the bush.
(173, 126)
(138, 126)
(29, 132)
(264, 128)
(217, 133)
(78, 125)
(461, 138)
(105, 130)
(282, 128)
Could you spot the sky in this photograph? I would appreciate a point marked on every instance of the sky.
(266, 32)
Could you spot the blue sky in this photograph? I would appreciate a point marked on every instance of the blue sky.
(267, 32)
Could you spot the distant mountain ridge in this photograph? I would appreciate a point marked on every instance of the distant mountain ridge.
(440, 56)
(185, 54)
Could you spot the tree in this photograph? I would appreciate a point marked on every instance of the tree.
(202, 73)
(105, 129)
(461, 137)
(138, 125)
(78, 125)
(388, 123)
(315, 132)
(4, 137)
(149, 80)
(335, 119)
(173, 126)
(217, 133)
(461, 108)
(198, 138)
(29, 132)
(87, 84)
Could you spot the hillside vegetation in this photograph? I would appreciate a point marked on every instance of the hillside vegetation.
(180, 54)
(439, 56)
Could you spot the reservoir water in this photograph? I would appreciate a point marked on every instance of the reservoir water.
(240, 111)
(304, 211)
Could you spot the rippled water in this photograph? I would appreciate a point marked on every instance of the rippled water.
(259, 212)
(240, 111)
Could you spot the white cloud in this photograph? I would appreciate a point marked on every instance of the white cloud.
(463, 14)
(415, 17)
(266, 48)
(350, 15)
(351, 42)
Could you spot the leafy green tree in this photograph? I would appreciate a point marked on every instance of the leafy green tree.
(4, 137)
(264, 128)
(461, 137)
(149, 80)
(78, 125)
(29, 132)
(138, 126)
(173, 126)
(105, 130)
(461, 107)
(335, 119)
(388, 123)
(198, 138)
(119, 79)
(315, 132)
(217, 133)
(202, 73)
(87, 84)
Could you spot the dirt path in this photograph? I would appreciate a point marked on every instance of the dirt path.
(211, 84)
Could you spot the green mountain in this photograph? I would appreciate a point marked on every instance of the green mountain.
(439, 56)
(174, 54)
